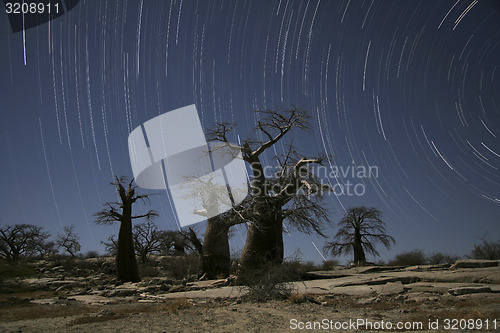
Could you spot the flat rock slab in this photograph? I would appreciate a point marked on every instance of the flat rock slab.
(363, 290)
(208, 283)
(224, 292)
(391, 288)
(46, 301)
(469, 290)
(92, 299)
(474, 263)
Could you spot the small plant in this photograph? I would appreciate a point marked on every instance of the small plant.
(328, 265)
(297, 298)
(176, 305)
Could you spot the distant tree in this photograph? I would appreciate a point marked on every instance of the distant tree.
(111, 245)
(147, 239)
(360, 229)
(126, 263)
(486, 250)
(176, 243)
(45, 249)
(409, 258)
(68, 241)
(23, 240)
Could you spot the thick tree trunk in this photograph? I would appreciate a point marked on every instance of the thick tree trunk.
(215, 256)
(126, 264)
(359, 253)
(264, 243)
(263, 246)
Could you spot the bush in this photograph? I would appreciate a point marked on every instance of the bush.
(9, 270)
(180, 267)
(328, 265)
(148, 271)
(270, 283)
(91, 254)
(487, 250)
(410, 258)
(440, 258)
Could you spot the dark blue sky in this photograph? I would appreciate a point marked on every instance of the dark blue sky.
(411, 87)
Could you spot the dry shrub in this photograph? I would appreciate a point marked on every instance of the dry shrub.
(297, 298)
(486, 250)
(180, 267)
(169, 307)
(410, 258)
(149, 271)
(270, 283)
(88, 319)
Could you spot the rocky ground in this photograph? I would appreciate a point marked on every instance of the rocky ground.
(465, 296)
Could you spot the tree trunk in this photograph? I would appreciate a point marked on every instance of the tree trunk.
(143, 256)
(263, 246)
(215, 254)
(359, 253)
(126, 264)
(264, 243)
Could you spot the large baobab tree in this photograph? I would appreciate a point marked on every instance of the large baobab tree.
(215, 261)
(121, 211)
(360, 229)
(292, 193)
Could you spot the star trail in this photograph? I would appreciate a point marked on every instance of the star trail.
(409, 87)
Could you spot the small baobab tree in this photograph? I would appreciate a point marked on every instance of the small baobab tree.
(121, 211)
(360, 229)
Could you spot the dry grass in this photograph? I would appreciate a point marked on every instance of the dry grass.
(297, 298)
(17, 306)
(123, 311)
(170, 306)
(88, 319)
(465, 309)
(37, 311)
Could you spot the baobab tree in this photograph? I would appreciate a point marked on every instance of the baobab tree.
(360, 229)
(215, 260)
(121, 211)
(292, 193)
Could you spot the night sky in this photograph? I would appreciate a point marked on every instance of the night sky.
(410, 87)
